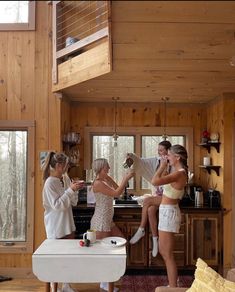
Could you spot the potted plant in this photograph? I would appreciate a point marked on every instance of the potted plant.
(205, 136)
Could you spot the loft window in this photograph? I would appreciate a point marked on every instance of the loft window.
(16, 186)
(17, 15)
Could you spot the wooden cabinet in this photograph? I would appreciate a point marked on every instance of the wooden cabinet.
(200, 236)
(204, 238)
(179, 250)
(128, 220)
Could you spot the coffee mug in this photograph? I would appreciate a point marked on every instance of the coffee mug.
(91, 235)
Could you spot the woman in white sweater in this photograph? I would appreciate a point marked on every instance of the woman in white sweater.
(58, 201)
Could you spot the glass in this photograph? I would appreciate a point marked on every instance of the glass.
(103, 148)
(13, 161)
(149, 148)
(14, 11)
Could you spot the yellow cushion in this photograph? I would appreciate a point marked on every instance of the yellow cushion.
(208, 280)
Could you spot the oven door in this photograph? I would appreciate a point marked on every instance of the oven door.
(82, 218)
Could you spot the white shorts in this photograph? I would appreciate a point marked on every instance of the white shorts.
(169, 218)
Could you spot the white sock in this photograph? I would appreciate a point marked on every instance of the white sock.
(155, 246)
(138, 235)
(105, 286)
(66, 288)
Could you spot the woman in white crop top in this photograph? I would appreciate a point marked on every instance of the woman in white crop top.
(169, 212)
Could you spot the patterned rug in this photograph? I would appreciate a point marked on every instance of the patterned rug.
(150, 282)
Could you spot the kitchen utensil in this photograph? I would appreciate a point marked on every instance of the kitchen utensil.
(199, 200)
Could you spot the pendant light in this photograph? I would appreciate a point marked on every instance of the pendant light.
(115, 135)
(164, 136)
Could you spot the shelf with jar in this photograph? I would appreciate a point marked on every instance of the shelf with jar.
(70, 142)
(210, 140)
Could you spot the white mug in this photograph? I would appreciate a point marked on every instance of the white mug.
(91, 235)
(206, 160)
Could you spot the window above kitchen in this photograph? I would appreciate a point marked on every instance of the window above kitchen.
(100, 143)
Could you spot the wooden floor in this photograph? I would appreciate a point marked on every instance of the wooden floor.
(31, 285)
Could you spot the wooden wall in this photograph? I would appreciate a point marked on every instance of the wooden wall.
(142, 114)
(25, 94)
(217, 116)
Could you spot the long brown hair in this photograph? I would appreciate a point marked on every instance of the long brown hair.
(182, 152)
(51, 160)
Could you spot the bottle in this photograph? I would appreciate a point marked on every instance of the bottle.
(128, 162)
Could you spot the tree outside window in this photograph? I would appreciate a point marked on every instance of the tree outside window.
(16, 185)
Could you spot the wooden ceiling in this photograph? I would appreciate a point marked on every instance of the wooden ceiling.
(180, 49)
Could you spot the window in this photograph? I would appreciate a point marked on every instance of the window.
(102, 147)
(143, 142)
(16, 185)
(17, 15)
(149, 149)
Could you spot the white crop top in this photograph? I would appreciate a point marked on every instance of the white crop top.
(172, 193)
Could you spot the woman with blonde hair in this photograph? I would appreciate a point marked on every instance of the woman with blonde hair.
(169, 211)
(105, 190)
(58, 201)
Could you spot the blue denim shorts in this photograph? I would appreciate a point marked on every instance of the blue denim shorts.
(169, 218)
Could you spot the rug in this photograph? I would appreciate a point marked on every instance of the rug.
(150, 282)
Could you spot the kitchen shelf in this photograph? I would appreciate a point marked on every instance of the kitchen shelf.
(69, 144)
(211, 167)
(209, 144)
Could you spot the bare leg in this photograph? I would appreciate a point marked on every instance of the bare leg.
(111, 287)
(152, 216)
(55, 286)
(48, 287)
(115, 231)
(166, 245)
(156, 200)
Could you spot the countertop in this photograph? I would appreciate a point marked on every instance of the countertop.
(137, 206)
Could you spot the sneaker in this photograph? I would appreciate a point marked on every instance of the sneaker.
(138, 235)
(155, 246)
(105, 286)
(66, 288)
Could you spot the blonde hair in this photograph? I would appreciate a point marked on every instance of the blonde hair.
(98, 164)
(51, 160)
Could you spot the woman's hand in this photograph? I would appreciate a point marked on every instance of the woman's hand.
(129, 174)
(163, 161)
(77, 185)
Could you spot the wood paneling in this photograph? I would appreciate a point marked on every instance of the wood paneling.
(25, 94)
(3, 76)
(90, 64)
(180, 49)
(139, 115)
(179, 11)
(144, 73)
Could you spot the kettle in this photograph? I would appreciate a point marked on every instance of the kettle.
(199, 200)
